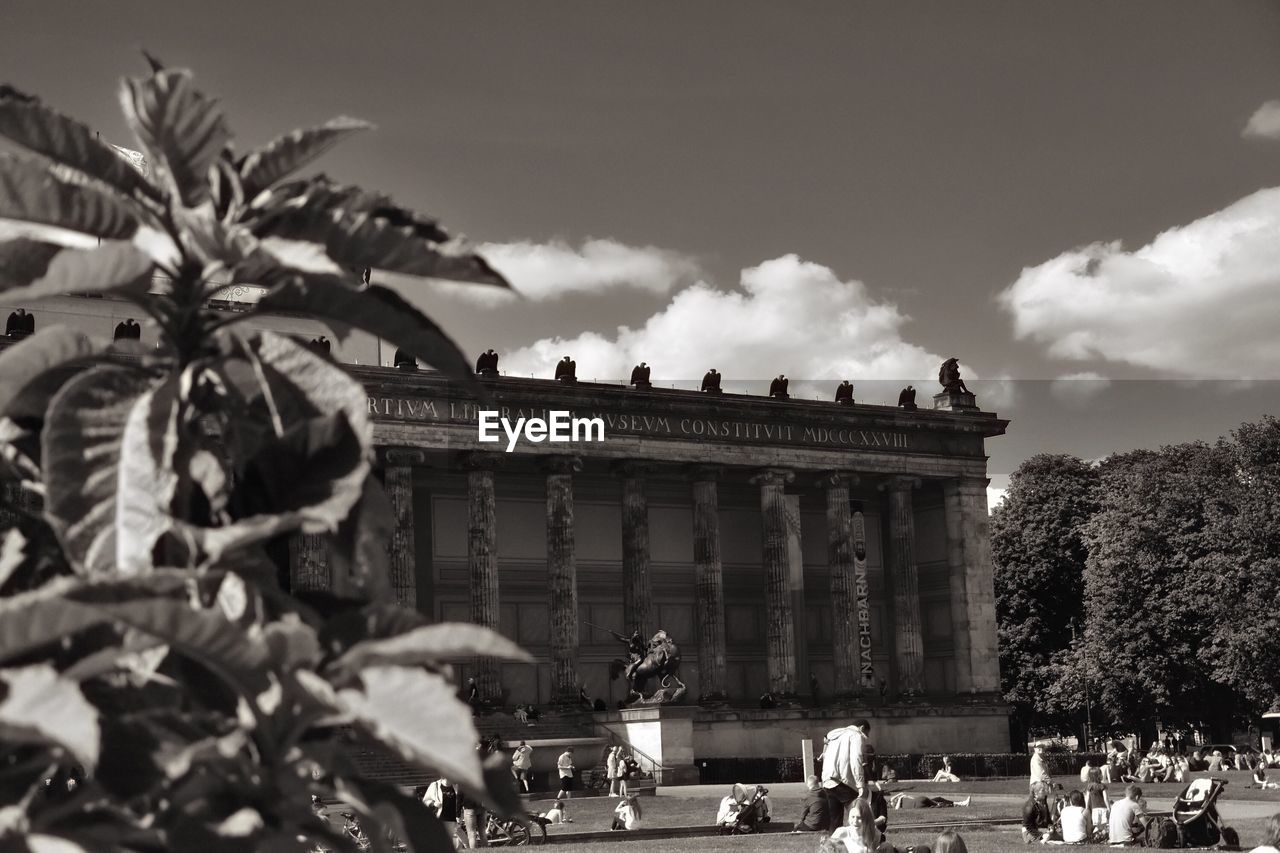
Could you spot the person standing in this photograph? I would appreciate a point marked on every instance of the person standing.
(564, 765)
(1039, 768)
(611, 770)
(442, 798)
(521, 764)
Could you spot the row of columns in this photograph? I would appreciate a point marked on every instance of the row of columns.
(972, 593)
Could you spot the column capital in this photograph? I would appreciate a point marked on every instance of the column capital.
(704, 473)
(631, 468)
(837, 479)
(561, 464)
(772, 477)
(479, 460)
(969, 485)
(402, 456)
(899, 483)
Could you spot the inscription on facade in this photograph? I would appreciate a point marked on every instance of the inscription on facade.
(463, 412)
(862, 601)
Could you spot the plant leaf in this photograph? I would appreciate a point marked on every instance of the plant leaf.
(12, 552)
(182, 129)
(358, 559)
(81, 449)
(31, 619)
(25, 120)
(36, 205)
(411, 821)
(360, 229)
(377, 310)
(205, 635)
(22, 364)
(147, 481)
(431, 644)
(288, 153)
(416, 713)
(44, 707)
(113, 266)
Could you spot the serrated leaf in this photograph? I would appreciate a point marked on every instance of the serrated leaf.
(43, 706)
(182, 129)
(28, 122)
(377, 310)
(81, 449)
(36, 205)
(112, 267)
(416, 713)
(432, 644)
(288, 153)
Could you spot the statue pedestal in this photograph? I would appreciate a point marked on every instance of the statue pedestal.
(661, 734)
(956, 401)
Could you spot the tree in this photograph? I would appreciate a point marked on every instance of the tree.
(1038, 552)
(144, 641)
(1160, 549)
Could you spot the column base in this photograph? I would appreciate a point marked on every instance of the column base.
(663, 734)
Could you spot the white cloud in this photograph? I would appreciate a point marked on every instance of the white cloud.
(1079, 388)
(554, 270)
(1200, 300)
(789, 316)
(1264, 123)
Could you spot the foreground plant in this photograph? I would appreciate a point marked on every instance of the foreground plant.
(150, 664)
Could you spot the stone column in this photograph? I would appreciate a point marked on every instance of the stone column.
(844, 627)
(402, 557)
(482, 563)
(973, 600)
(562, 578)
(908, 645)
(780, 639)
(709, 578)
(309, 563)
(637, 583)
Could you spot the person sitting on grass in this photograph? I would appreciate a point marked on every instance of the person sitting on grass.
(731, 805)
(627, 814)
(1128, 822)
(1037, 820)
(950, 842)
(910, 801)
(946, 774)
(556, 814)
(1260, 779)
(859, 835)
(815, 810)
(1075, 822)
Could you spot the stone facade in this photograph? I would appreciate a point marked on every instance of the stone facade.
(730, 522)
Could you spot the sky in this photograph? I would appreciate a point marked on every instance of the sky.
(1079, 200)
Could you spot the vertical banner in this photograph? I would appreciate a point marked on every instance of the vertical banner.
(799, 613)
(862, 599)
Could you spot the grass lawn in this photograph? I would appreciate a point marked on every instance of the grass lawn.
(1244, 809)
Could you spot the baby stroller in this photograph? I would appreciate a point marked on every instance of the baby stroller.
(750, 814)
(1196, 822)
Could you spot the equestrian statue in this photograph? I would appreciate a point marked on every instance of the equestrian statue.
(659, 658)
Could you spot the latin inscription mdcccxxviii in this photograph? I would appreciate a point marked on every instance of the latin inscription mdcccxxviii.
(436, 410)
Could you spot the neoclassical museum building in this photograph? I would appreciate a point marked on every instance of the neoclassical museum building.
(788, 547)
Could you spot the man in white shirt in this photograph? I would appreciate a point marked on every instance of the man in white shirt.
(564, 764)
(1077, 825)
(1127, 823)
(1039, 768)
(521, 763)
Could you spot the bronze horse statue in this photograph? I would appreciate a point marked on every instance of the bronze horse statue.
(660, 660)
